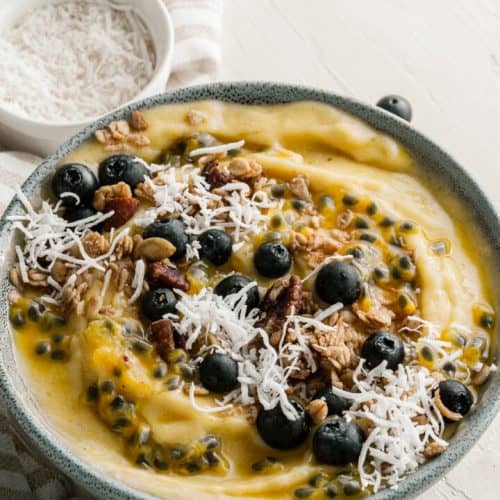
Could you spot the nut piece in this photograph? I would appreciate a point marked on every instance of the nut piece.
(137, 121)
(95, 244)
(299, 187)
(433, 449)
(106, 193)
(244, 169)
(215, 175)
(451, 415)
(162, 337)
(195, 117)
(161, 274)
(119, 130)
(155, 249)
(318, 410)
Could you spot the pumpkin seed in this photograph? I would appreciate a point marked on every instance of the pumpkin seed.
(155, 248)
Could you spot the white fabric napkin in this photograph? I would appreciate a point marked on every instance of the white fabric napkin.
(197, 55)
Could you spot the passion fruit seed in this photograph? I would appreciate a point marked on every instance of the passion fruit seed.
(17, 319)
(173, 383)
(386, 222)
(350, 200)
(107, 387)
(318, 480)
(351, 488)
(371, 208)
(361, 223)
(92, 393)
(58, 355)
(42, 348)
(278, 190)
(304, 492)
(160, 371)
(264, 464)
(35, 310)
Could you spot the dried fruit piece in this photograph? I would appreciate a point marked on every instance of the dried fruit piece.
(124, 209)
(160, 274)
(162, 337)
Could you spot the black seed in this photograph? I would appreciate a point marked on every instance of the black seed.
(210, 441)
(92, 393)
(405, 262)
(330, 491)
(42, 348)
(121, 422)
(356, 252)
(318, 480)
(278, 190)
(396, 241)
(427, 353)
(276, 221)
(371, 209)
(259, 466)
(487, 320)
(361, 223)
(368, 237)
(160, 464)
(386, 222)
(188, 372)
(407, 226)
(57, 338)
(160, 371)
(117, 403)
(351, 488)
(58, 355)
(396, 273)
(18, 319)
(403, 301)
(449, 367)
(350, 200)
(304, 492)
(117, 372)
(178, 452)
(379, 272)
(299, 205)
(35, 310)
(142, 460)
(193, 467)
(211, 458)
(108, 387)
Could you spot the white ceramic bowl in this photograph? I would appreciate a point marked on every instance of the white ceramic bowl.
(42, 137)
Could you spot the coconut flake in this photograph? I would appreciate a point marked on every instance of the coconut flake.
(138, 280)
(220, 148)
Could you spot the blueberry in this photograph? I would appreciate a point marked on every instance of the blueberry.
(272, 260)
(455, 396)
(233, 284)
(156, 303)
(278, 432)
(216, 246)
(77, 179)
(397, 105)
(338, 282)
(172, 230)
(383, 346)
(219, 373)
(78, 213)
(122, 168)
(337, 442)
(336, 404)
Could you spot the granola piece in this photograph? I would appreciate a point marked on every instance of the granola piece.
(123, 208)
(299, 187)
(107, 193)
(318, 410)
(95, 244)
(103, 136)
(119, 130)
(195, 117)
(59, 271)
(137, 121)
(377, 316)
(15, 278)
(245, 170)
(145, 192)
(215, 174)
(344, 219)
(161, 335)
(434, 449)
(72, 297)
(37, 278)
(124, 247)
(282, 299)
(314, 247)
(308, 305)
(138, 139)
(162, 273)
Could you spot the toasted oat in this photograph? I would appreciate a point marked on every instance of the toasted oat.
(95, 244)
(377, 316)
(124, 247)
(195, 117)
(138, 139)
(145, 192)
(299, 187)
(37, 278)
(318, 410)
(119, 130)
(137, 121)
(106, 193)
(345, 218)
(433, 449)
(245, 170)
(59, 271)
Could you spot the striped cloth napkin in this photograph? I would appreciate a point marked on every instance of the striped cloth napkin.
(197, 56)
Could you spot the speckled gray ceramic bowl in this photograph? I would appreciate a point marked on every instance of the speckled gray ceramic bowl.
(438, 165)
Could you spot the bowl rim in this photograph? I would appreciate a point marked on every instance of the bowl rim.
(163, 62)
(86, 474)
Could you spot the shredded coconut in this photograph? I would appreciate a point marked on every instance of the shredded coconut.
(220, 148)
(391, 400)
(66, 61)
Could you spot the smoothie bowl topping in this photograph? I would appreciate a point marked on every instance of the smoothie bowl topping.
(266, 299)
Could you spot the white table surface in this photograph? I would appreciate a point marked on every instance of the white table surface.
(444, 56)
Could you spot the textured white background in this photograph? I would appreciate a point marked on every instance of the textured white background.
(443, 55)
